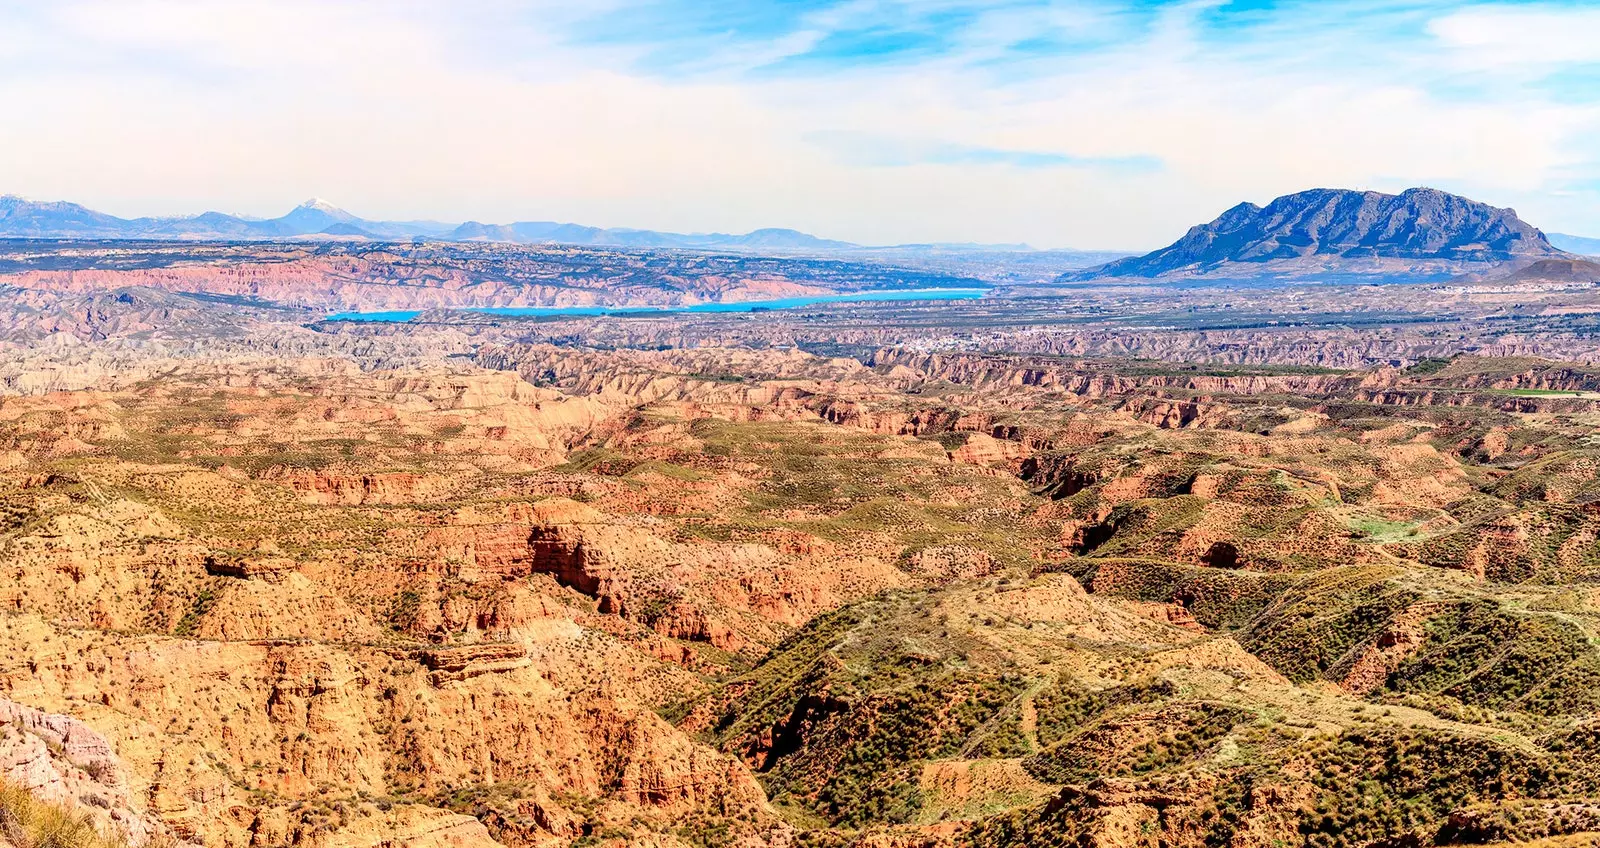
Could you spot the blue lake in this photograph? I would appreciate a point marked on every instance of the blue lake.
(745, 306)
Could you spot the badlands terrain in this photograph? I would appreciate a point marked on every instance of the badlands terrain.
(1089, 562)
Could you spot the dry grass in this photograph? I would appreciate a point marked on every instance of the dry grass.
(27, 822)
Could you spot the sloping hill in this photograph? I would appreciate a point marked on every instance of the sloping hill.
(28, 219)
(1576, 244)
(1564, 270)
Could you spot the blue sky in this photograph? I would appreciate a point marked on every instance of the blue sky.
(1086, 123)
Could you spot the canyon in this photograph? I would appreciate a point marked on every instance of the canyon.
(1310, 564)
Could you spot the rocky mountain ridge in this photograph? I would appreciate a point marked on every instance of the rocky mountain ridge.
(1420, 231)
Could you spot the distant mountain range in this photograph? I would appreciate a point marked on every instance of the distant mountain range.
(1576, 244)
(22, 218)
(318, 219)
(1420, 232)
(550, 232)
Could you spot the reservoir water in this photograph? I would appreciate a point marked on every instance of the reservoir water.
(742, 306)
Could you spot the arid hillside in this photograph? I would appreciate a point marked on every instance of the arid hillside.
(334, 277)
(557, 595)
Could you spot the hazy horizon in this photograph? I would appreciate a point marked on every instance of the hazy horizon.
(325, 203)
(1091, 125)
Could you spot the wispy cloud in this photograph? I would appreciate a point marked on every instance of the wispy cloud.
(833, 37)
(1050, 121)
(1540, 37)
(888, 152)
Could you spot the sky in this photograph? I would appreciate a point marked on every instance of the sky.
(1081, 123)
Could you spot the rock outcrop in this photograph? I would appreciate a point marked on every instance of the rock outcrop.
(1334, 226)
(64, 762)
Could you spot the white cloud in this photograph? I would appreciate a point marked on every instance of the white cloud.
(1494, 37)
(409, 109)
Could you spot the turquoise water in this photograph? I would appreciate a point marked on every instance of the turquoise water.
(746, 306)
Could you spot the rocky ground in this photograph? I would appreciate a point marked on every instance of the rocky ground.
(721, 597)
(270, 581)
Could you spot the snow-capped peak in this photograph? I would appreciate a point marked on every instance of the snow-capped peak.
(323, 207)
(320, 205)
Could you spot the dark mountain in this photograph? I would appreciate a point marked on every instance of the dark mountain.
(1334, 230)
(1576, 244)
